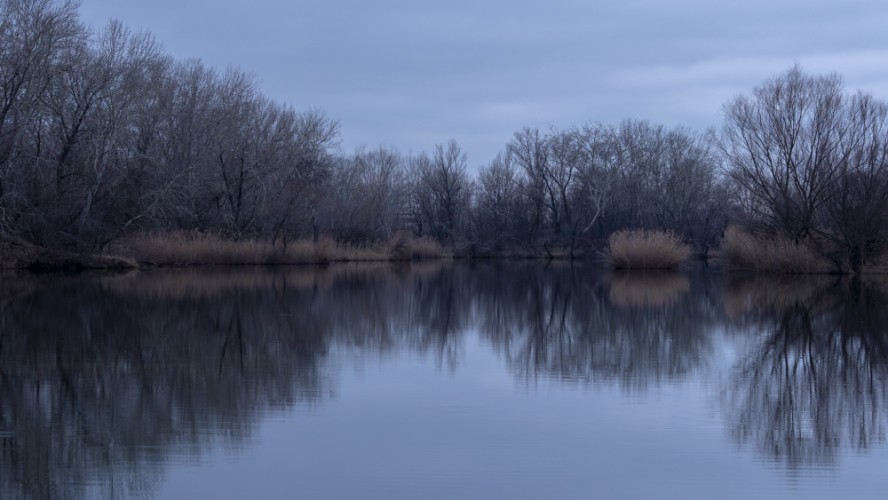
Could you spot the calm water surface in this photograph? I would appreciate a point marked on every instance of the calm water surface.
(442, 381)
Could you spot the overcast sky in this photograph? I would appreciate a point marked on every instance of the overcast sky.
(412, 73)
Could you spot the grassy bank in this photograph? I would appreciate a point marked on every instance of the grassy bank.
(189, 249)
(628, 249)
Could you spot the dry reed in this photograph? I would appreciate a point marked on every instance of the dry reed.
(741, 251)
(646, 249)
(404, 246)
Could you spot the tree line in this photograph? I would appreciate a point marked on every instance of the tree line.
(103, 136)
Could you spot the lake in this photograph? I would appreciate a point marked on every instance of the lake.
(440, 380)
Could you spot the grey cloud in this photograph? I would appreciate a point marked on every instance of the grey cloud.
(412, 73)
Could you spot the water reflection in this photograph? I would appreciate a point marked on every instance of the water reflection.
(579, 326)
(814, 377)
(651, 289)
(105, 379)
(101, 379)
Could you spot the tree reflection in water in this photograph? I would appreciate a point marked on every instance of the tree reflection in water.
(579, 326)
(814, 378)
(105, 379)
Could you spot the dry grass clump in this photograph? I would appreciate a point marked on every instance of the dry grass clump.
(741, 251)
(646, 249)
(404, 246)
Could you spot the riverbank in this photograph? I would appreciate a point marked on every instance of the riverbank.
(744, 252)
(204, 249)
(200, 249)
(17, 254)
(739, 253)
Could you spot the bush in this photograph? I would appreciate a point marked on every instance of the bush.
(645, 249)
(741, 251)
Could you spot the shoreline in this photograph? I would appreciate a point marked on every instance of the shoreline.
(206, 251)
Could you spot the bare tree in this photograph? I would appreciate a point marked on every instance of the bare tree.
(855, 216)
(783, 146)
(498, 205)
(442, 192)
(366, 195)
(112, 147)
(641, 175)
(811, 163)
(551, 165)
(36, 36)
(602, 162)
(566, 156)
(530, 152)
(300, 184)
